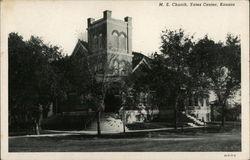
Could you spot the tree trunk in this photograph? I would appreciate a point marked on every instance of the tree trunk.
(175, 113)
(175, 118)
(124, 121)
(38, 122)
(98, 123)
(222, 103)
(182, 122)
(223, 115)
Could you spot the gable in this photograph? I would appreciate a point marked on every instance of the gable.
(140, 62)
(142, 65)
(81, 49)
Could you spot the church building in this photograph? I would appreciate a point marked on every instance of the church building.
(109, 47)
(109, 56)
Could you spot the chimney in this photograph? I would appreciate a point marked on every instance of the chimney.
(107, 14)
(90, 21)
(128, 20)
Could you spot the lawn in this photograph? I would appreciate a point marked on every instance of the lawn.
(191, 140)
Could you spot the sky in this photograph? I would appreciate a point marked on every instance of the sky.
(61, 22)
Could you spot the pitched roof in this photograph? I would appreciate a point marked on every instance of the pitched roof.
(81, 45)
(137, 57)
(85, 44)
(137, 60)
(140, 59)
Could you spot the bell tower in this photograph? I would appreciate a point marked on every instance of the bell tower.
(110, 46)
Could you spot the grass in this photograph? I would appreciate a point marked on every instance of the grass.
(190, 140)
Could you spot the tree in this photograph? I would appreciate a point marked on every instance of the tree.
(32, 80)
(175, 49)
(219, 64)
(168, 74)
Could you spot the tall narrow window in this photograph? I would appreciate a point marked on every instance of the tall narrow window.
(100, 41)
(95, 43)
(115, 40)
(122, 42)
(122, 68)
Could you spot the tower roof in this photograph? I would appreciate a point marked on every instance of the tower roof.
(107, 14)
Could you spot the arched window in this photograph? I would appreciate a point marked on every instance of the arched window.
(100, 41)
(95, 43)
(122, 42)
(115, 39)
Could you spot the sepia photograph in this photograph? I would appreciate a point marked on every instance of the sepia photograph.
(124, 79)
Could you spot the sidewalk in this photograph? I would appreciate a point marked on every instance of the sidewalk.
(56, 133)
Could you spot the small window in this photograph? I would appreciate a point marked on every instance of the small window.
(123, 72)
(122, 68)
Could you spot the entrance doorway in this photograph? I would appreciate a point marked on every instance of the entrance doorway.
(112, 102)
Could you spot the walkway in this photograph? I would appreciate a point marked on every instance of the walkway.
(56, 133)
